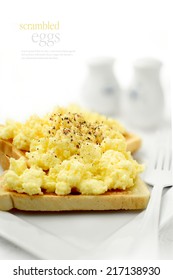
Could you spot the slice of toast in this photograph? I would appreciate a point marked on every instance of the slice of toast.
(4, 161)
(133, 142)
(135, 198)
(132, 199)
(7, 148)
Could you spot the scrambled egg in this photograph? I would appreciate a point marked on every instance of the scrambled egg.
(69, 150)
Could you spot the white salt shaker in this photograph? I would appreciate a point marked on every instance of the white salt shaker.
(145, 100)
(101, 90)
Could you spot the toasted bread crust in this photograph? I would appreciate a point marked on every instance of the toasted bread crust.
(133, 142)
(4, 161)
(10, 150)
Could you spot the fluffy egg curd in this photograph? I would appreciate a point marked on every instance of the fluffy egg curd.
(67, 151)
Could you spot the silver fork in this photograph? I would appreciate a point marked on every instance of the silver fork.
(159, 175)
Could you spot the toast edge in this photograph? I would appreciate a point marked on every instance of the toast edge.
(134, 142)
(135, 199)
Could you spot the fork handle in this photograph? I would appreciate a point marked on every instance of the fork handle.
(146, 238)
(151, 216)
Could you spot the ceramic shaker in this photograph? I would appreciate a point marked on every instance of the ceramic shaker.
(145, 99)
(101, 89)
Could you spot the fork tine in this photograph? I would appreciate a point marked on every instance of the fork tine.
(167, 159)
(159, 159)
(150, 164)
(170, 162)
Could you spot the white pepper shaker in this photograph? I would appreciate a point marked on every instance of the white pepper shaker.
(145, 99)
(101, 90)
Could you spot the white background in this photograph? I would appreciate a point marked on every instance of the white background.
(123, 29)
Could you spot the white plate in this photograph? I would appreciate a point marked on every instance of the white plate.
(78, 235)
(85, 229)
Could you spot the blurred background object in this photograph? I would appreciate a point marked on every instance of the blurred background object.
(101, 90)
(145, 97)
